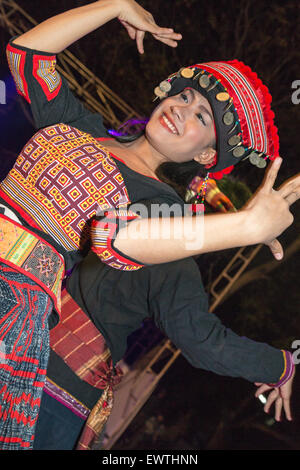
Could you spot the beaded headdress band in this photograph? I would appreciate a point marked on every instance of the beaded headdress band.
(244, 121)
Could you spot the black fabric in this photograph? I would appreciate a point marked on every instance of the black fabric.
(64, 377)
(173, 295)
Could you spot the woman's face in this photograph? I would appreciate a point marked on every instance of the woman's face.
(181, 128)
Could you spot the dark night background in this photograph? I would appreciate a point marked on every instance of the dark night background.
(193, 409)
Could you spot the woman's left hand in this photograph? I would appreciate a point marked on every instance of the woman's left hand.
(281, 396)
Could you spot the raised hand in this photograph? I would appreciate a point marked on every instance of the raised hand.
(138, 21)
(269, 209)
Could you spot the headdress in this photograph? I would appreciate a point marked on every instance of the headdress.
(240, 102)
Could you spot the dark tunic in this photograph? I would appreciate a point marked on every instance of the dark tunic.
(171, 293)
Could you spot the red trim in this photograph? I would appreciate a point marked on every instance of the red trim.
(50, 95)
(113, 214)
(120, 257)
(20, 71)
(112, 230)
(219, 174)
(263, 96)
(19, 209)
(265, 100)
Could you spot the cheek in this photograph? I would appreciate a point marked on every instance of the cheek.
(195, 137)
(201, 137)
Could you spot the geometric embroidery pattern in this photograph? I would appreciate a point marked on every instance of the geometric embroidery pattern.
(104, 231)
(61, 179)
(46, 74)
(16, 63)
(32, 256)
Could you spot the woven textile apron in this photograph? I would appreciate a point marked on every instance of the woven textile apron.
(31, 273)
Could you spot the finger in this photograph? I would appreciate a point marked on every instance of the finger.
(163, 32)
(287, 408)
(278, 408)
(131, 31)
(291, 191)
(276, 249)
(154, 29)
(170, 35)
(271, 175)
(140, 41)
(290, 186)
(293, 198)
(271, 398)
(165, 40)
(263, 388)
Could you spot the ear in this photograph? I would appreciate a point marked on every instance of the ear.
(206, 156)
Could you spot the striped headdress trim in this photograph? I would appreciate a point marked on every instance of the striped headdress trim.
(252, 102)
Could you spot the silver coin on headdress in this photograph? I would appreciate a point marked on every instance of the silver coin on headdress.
(228, 118)
(159, 93)
(253, 157)
(261, 163)
(204, 81)
(165, 86)
(234, 140)
(238, 152)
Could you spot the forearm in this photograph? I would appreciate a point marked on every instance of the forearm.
(58, 32)
(154, 241)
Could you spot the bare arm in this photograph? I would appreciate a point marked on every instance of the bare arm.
(263, 219)
(58, 32)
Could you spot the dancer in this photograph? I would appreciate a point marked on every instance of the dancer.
(64, 174)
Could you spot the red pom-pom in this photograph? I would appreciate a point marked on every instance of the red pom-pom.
(219, 174)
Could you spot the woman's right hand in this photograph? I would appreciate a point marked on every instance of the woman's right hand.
(269, 210)
(138, 21)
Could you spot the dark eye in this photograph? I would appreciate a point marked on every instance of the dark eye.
(199, 116)
(184, 97)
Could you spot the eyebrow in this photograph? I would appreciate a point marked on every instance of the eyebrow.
(201, 105)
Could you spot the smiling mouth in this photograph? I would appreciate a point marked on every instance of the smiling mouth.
(168, 124)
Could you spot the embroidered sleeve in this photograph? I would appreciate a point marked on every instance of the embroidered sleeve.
(103, 233)
(48, 93)
(43, 70)
(287, 371)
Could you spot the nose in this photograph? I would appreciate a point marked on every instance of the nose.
(179, 112)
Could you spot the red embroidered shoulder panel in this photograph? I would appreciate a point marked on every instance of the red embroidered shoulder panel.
(59, 181)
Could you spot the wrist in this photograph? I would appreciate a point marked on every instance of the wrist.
(288, 370)
(114, 5)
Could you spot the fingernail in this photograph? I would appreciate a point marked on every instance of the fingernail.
(278, 256)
